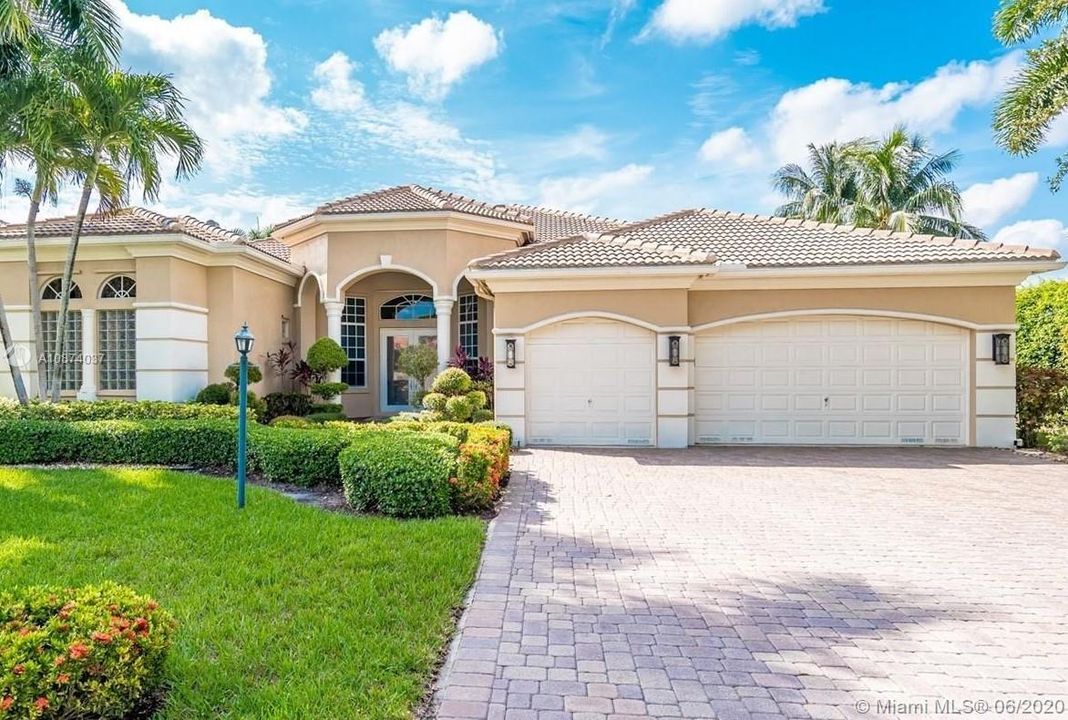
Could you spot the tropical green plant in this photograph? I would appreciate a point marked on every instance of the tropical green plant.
(259, 233)
(1042, 325)
(127, 122)
(896, 183)
(233, 373)
(1037, 95)
(91, 26)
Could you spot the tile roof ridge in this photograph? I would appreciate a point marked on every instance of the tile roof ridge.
(450, 200)
(568, 213)
(655, 220)
(367, 193)
(212, 229)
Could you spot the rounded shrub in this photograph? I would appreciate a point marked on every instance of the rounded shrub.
(477, 398)
(458, 408)
(323, 417)
(215, 394)
(325, 356)
(452, 381)
(482, 415)
(434, 402)
(327, 390)
(404, 474)
(233, 373)
(93, 652)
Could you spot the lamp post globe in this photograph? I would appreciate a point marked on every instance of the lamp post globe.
(243, 340)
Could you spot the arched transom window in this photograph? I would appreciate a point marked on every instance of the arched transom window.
(408, 307)
(53, 290)
(120, 286)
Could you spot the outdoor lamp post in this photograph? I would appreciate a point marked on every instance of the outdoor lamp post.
(243, 339)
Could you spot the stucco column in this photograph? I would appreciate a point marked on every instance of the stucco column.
(89, 360)
(444, 305)
(333, 328)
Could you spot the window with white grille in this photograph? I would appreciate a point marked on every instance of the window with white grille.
(120, 286)
(118, 349)
(71, 360)
(53, 290)
(469, 326)
(354, 342)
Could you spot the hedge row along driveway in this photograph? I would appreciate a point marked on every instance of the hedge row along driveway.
(284, 611)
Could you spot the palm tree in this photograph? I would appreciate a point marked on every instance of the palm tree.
(1037, 95)
(128, 121)
(895, 183)
(904, 187)
(260, 233)
(91, 25)
(828, 193)
(36, 111)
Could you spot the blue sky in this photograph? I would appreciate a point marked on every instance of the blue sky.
(620, 107)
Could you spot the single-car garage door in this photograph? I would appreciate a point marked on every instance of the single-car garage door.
(590, 382)
(836, 380)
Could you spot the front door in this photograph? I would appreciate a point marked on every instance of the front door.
(397, 390)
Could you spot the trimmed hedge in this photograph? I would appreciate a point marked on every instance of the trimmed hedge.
(200, 443)
(96, 651)
(115, 410)
(298, 456)
(404, 474)
(279, 404)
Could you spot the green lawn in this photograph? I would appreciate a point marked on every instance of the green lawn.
(286, 611)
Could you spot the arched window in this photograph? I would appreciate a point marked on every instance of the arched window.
(120, 286)
(53, 290)
(408, 307)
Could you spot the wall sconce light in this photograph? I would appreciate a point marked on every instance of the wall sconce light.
(1002, 349)
(674, 350)
(509, 352)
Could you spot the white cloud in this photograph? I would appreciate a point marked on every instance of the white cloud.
(592, 192)
(436, 53)
(242, 208)
(732, 148)
(584, 142)
(336, 89)
(1038, 233)
(411, 131)
(837, 109)
(620, 10)
(987, 203)
(707, 20)
(222, 71)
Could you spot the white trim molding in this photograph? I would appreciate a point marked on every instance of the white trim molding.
(172, 306)
(592, 314)
(320, 279)
(339, 289)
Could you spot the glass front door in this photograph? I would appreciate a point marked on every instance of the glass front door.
(397, 389)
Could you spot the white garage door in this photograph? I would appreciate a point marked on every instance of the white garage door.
(832, 380)
(590, 382)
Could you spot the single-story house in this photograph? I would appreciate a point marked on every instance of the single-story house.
(695, 327)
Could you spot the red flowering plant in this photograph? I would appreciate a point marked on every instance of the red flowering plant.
(95, 651)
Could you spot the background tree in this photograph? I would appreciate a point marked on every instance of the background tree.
(90, 25)
(1039, 92)
(896, 183)
(128, 121)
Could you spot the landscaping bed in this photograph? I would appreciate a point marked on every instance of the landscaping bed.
(282, 610)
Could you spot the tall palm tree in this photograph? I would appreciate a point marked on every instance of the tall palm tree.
(828, 193)
(1039, 92)
(36, 112)
(91, 25)
(129, 121)
(904, 187)
(895, 183)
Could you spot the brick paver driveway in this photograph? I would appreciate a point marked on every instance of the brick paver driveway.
(756, 583)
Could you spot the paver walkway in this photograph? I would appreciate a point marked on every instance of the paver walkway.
(761, 583)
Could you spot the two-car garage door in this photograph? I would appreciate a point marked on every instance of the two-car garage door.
(819, 379)
(835, 380)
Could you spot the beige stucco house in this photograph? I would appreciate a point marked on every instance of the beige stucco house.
(696, 327)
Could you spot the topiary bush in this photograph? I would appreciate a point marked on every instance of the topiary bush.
(305, 457)
(91, 652)
(215, 394)
(325, 356)
(197, 443)
(403, 474)
(327, 390)
(452, 397)
(233, 373)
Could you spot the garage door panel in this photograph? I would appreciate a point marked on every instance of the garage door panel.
(590, 382)
(840, 380)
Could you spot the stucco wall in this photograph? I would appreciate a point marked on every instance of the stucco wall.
(979, 305)
(658, 307)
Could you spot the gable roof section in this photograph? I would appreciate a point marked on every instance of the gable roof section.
(758, 241)
(550, 224)
(139, 221)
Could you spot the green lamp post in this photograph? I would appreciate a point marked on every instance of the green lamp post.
(244, 340)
